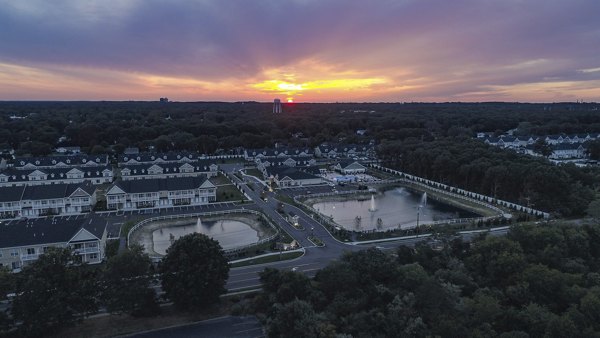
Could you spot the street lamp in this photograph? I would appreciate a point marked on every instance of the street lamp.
(418, 213)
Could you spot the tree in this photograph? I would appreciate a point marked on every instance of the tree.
(194, 272)
(53, 292)
(127, 277)
(593, 209)
(6, 282)
(593, 150)
(294, 319)
(541, 147)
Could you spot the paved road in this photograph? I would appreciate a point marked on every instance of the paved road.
(230, 326)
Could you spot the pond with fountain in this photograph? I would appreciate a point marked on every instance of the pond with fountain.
(392, 209)
(231, 231)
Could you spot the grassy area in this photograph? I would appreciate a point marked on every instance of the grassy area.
(254, 172)
(316, 241)
(268, 259)
(116, 325)
(227, 193)
(220, 179)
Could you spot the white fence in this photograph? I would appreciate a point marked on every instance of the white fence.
(457, 192)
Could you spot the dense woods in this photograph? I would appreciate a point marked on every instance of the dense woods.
(208, 126)
(566, 190)
(430, 140)
(539, 281)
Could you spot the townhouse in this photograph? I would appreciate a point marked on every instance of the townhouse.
(56, 175)
(46, 200)
(160, 193)
(22, 242)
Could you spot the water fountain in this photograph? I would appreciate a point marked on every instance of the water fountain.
(372, 208)
(423, 203)
(199, 223)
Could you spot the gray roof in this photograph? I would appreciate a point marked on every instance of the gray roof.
(46, 231)
(161, 184)
(142, 168)
(69, 160)
(50, 191)
(164, 157)
(293, 173)
(20, 175)
(11, 194)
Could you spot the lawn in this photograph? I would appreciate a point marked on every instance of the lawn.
(220, 179)
(254, 172)
(228, 193)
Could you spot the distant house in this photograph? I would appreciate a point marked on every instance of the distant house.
(337, 150)
(291, 177)
(48, 162)
(350, 167)
(23, 242)
(68, 150)
(44, 200)
(131, 151)
(169, 157)
(168, 170)
(567, 151)
(160, 193)
(56, 175)
(281, 152)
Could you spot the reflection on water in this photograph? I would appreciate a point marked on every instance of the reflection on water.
(229, 233)
(395, 208)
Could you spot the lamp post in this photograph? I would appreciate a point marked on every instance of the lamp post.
(418, 213)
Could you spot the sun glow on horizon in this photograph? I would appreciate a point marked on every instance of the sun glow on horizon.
(289, 88)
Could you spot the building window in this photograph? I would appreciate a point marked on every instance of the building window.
(93, 256)
(31, 251)
(14, 253)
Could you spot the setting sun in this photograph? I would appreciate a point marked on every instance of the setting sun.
(290, 100)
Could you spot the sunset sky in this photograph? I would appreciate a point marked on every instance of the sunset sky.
(305, 50)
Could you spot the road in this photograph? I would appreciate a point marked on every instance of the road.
(315, 258)
(230, 326)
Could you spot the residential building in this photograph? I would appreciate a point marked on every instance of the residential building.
(57, 175)
(68, 150)
(170, 169)
(285, 176)
(60, 161)
(350, 168)
(169, 157)
(22, 242)
(281, 152)
(568, 151)
(160, 193)
(46, 200)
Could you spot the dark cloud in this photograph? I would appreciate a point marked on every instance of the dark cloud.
(474, 42)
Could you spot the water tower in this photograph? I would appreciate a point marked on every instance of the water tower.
(277, 106)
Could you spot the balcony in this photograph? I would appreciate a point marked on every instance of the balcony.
(82, 251)
(30, 257)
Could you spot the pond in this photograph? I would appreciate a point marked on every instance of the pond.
(396, 208)
(229, 233)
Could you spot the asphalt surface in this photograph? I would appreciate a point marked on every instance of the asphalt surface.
(230, 326)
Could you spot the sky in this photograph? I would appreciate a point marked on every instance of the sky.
(301, 50)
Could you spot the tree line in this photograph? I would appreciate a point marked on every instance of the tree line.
(538, 281)
(56, 291)
(100, 127)
(470, 164)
